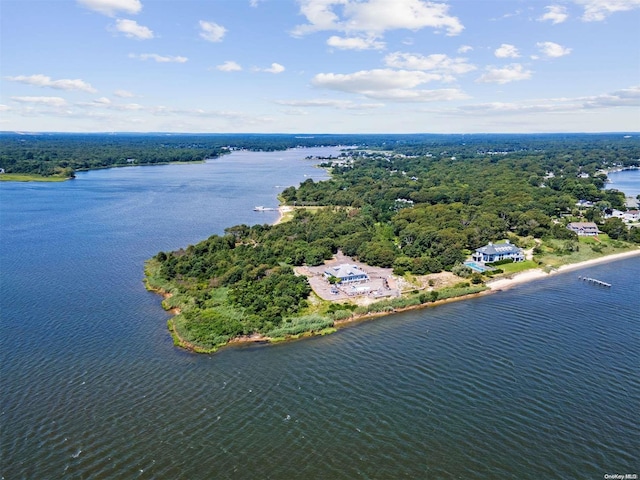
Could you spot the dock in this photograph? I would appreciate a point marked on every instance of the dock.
(595, 281)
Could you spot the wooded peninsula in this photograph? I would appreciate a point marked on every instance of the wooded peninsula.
(418, 206)
(413, 208)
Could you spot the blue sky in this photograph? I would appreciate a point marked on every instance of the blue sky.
(320, 66)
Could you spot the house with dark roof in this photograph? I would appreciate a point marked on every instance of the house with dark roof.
(584, 229)
(494, 252)
(347, 273)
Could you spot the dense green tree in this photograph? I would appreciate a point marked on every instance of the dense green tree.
(615, 228)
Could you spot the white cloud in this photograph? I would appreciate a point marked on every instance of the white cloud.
(355, 43)
(112, 7)
(506, 51)
(255, 3)
(515, 13)
(45, 81)
(627, 97)
(553, 50)
(438, 95)
(369, 80)
(229, 66)
(162, 111)
(323, 103)
(129, 107)
(555, 14)
(123, 94)
(274, 68)
(48, 101)
(510, 73)
(374, 17)
(439, 63)
(395, 85)
(465, 49)
(131, 29)
(104, 103)
(159, 58)
(597, 10)
(211, 31)
(295, 111)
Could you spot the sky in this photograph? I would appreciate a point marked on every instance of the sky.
(320, 66)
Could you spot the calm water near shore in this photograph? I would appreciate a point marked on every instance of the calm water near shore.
(627, 181)
(540, 381)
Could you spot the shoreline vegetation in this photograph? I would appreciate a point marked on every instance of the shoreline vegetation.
(409, 215)
(24, 177)
(503, 283)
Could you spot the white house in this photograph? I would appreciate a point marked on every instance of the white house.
(494, 252)
(347, 273)
(584, 229)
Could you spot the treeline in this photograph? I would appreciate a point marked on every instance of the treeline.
(419, 214)
(63, 154)
(573, 152)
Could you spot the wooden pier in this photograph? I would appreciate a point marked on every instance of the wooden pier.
(595, 281)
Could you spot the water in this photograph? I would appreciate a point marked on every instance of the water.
(540, 381)
(627, 181)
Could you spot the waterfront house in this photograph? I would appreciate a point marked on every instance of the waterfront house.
(584, 229)
(347, 273)
(494, 252)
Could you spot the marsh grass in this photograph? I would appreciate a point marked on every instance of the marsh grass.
(298, 325)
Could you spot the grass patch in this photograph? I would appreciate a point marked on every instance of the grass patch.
(518, 266)
(554, 255)
(288, 216)
(23, 177)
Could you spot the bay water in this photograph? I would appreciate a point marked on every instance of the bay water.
(627, 181)
(540, 381)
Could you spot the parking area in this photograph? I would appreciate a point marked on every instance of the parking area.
(381, 282)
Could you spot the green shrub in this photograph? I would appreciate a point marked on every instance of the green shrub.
(500, 262)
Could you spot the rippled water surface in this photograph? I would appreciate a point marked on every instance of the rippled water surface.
(540, 381)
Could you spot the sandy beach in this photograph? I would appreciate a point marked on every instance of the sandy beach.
(529, 275)
(282, 210)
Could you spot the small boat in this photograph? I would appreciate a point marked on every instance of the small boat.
(262, 209)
